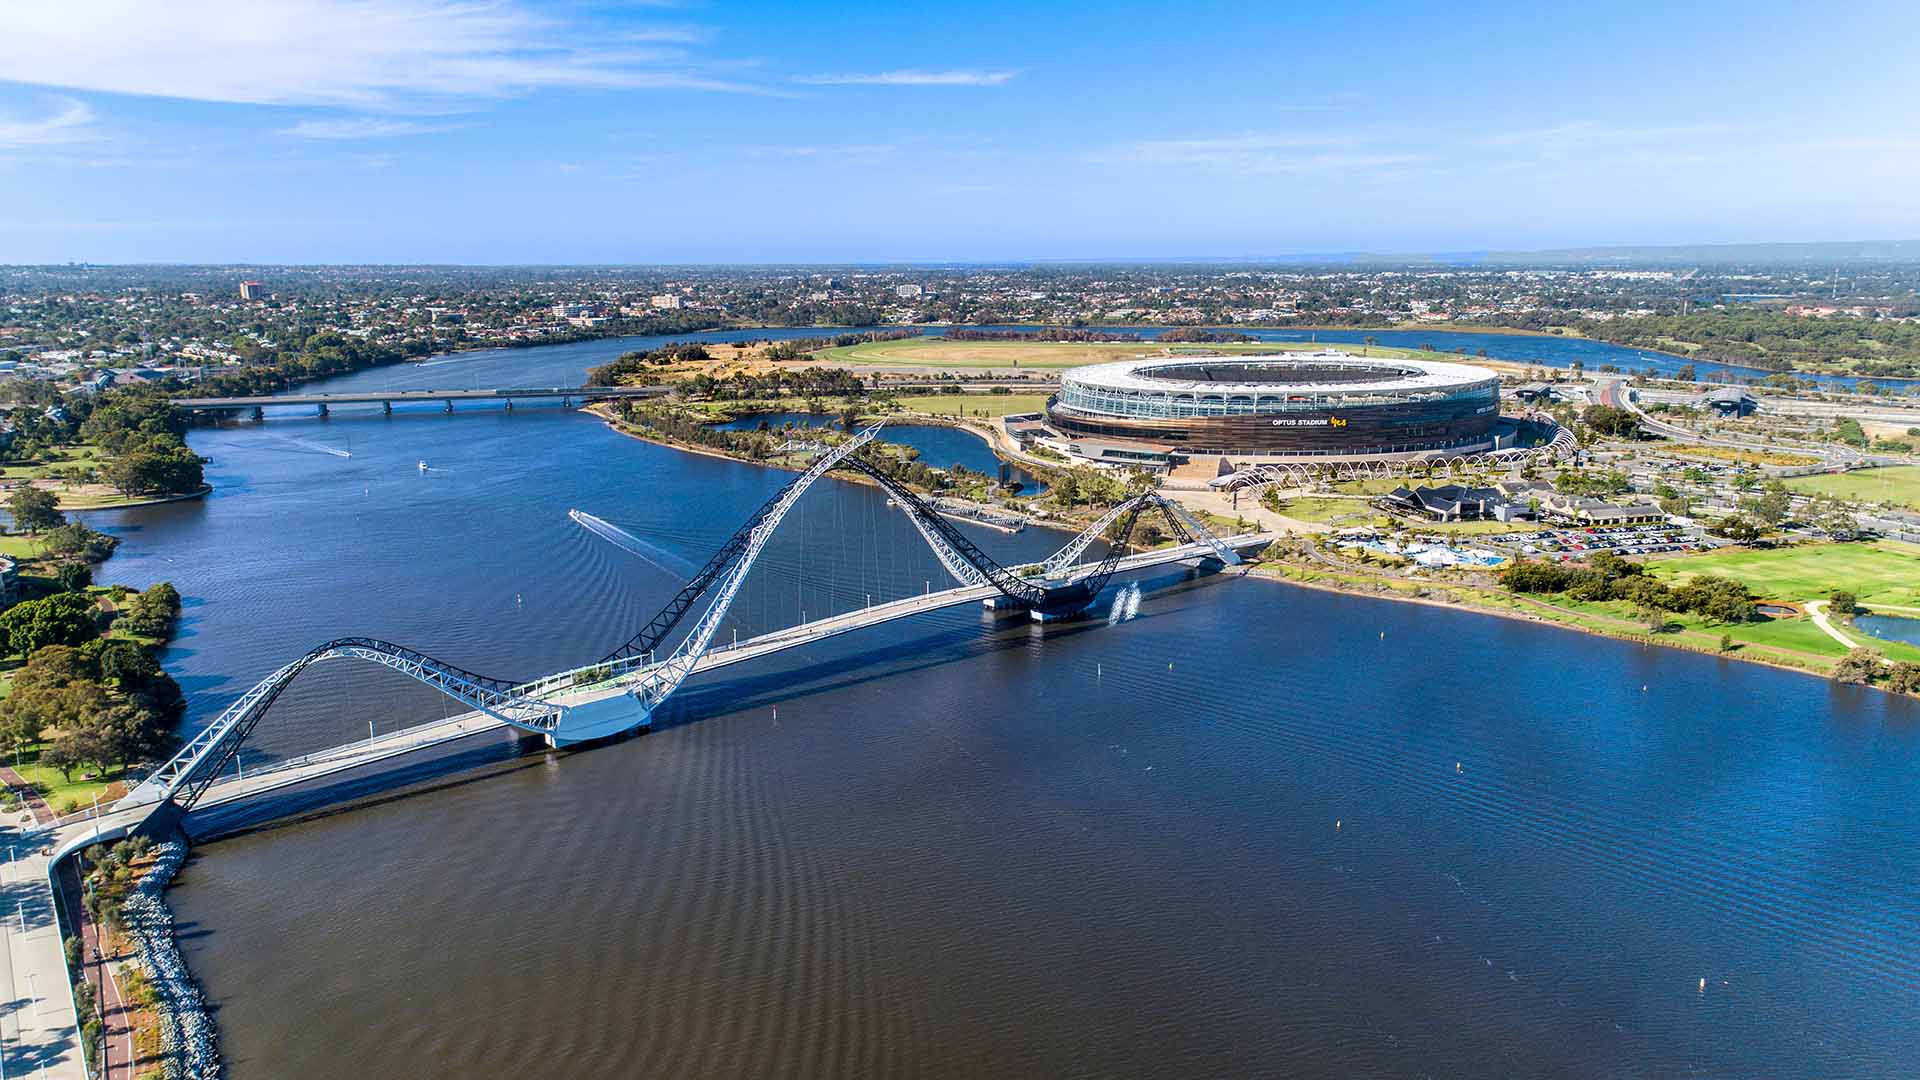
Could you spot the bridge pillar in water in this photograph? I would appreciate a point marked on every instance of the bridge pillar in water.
(449, 406)
(320, 409)
(386, 408)
(259, 413)
(566, 403)
(509, 404)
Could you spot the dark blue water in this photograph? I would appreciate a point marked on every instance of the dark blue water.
(1254, 831)
(1890, 627)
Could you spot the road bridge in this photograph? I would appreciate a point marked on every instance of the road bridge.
(566, 395)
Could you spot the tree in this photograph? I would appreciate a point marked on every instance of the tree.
(61, 619)
(1843, 603)
(1740, 528)
(63, 755)
(75, 577)
(75, 541)
(34, 509)
(1772, 505)
(1858, 666)
(1608, 420)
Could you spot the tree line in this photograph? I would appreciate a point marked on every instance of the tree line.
(1608, 577)
(90, 699)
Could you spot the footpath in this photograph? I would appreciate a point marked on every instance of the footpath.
(39, 1029)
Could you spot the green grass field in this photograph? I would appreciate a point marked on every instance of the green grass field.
(1899, 485)
(991, 405)
(1793, 635)
(939, 353)
(85, 456)
(1887, 571)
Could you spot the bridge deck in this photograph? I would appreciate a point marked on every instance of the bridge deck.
(41, 1028)
(375, 397)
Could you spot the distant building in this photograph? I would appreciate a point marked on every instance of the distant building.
(665, 301)
(1536, 393)
(1598, 512)
(1728, 401)
(908, 292)
(1457, 502)
(252, 290)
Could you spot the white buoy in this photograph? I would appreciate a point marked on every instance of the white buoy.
(1336, 823)
(1703, 986)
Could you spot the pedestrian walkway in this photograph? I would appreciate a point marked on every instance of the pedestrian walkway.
(39, 1031)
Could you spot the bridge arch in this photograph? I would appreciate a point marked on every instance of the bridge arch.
(1060, 587)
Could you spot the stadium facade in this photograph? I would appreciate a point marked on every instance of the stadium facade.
(1282, 406)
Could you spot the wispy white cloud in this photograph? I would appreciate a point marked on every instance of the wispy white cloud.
(911, 78)
(863, 151)
(363, 128)
(1583, 134)
(1264, 152)
(386, 54)
(71, 123)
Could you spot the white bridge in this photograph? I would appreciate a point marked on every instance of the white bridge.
(623, 691)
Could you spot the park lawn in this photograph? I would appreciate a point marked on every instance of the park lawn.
(88, 456)
(973, 404)
(1886, 571)
(932, 352)
(1898, 484)
(57, 789)
(1331, 511)
(1795, 634)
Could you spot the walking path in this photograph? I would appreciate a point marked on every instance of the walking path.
(39, 1030)
(1818, 609)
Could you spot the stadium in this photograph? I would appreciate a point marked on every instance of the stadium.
(1283, 406)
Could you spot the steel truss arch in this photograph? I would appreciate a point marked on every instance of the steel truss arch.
(205, 756)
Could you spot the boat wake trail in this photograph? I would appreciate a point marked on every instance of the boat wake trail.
(653, 554)
(323, 448)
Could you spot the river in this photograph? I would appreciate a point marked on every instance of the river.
(1254, 830)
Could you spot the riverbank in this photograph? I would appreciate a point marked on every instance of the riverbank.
(1331, 576)
(189, 1041)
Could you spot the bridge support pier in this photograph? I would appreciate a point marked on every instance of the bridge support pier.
(449, 406)
(509, 404)
(386, 408)
(320, 409)
(259, 413)
(566, 403)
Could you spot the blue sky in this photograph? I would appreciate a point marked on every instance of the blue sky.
(516, 131)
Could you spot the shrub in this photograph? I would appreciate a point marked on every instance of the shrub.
(1843, 603)
(1857, 667)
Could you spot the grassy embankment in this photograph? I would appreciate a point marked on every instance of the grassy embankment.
(60, 792)
(1899, 485)
(1887, 573)
(73, 496)
(972, 405)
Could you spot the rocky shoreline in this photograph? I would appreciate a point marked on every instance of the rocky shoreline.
(189, 1042)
